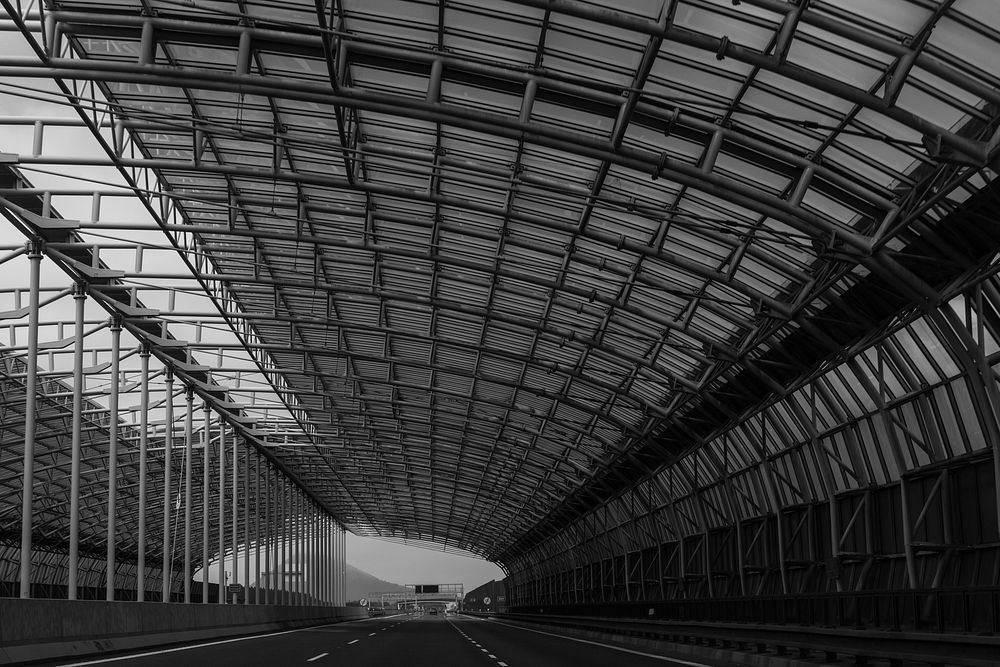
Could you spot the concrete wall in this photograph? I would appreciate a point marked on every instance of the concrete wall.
(47, 629)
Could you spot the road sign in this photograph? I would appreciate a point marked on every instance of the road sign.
(235, 588)
(486, 600)
(363, 602)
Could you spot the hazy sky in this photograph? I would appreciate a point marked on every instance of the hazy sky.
(391, 561)
(407, 564)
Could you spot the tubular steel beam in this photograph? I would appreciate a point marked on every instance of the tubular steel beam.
(28, 474)
(168, 435)
(73, 567)
(140, 586)
(112, 530)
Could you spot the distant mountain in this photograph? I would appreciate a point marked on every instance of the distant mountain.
(360, 584)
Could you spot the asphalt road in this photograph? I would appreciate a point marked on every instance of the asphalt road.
(410, 640)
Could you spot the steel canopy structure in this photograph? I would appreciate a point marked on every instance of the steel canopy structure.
(641, 300)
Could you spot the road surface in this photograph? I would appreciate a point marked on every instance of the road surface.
(408, 639)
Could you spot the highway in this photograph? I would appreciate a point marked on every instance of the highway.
(409, 639)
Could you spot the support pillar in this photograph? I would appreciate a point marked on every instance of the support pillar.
(205, 504)
(234, 535)
(246, 523)
(109, 583)
(284, 541)
(268, 532)
(140, 575)
(79, 298)
(220, 576)
(188, 462)
(256, 527)
(168, 443)
(28, 467)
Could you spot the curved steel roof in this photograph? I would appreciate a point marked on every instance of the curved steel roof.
(495, 262)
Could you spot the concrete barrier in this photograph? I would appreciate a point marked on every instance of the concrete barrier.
(32, 630)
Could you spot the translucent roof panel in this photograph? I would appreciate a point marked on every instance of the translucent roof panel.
(472, 266)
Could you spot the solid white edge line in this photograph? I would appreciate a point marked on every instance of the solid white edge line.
(664, 658)
(317, 657)
(175, 649)
(130, 656)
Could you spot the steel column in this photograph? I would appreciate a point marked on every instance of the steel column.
(168, 440)
(268, 530)
(256, 526)
(140, 577)
(28, 469)
(246, 523)
(188, 456)
(297, 546)
(283, 535)
(79, 298)
(109, 583)
(205, 504)
(221, 575)
(235, 508)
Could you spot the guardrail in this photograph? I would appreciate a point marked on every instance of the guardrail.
(969, 610)
(937, 627)
(807, 643)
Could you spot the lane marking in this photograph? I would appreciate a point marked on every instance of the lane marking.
(489, 654)
(662, 658)
(502, 664)
(372, 634)
(178, 648)
(317, 657)
(354, 642)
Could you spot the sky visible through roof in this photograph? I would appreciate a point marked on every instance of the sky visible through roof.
(32, 99)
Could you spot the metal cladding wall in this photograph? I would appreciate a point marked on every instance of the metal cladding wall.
(490, 598)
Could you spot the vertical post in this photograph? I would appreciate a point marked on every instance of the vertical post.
(79, 297)
(269, 531)
(168, 444)
(324, 527)
(221, 574)
(343, 566)
(328, 561)
(284, 541)
(188, 456)
(235, 508)
(313, 549)
(28, 469)
(109, 583)
(297, 546)
(904, 496)
(256, 527)
(140, 577)
(206, 494)
(246, 524)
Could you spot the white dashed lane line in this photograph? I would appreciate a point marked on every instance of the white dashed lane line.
(317, 657)
(472, 641)
(353, 642)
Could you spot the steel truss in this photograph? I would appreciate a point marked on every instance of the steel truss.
(636, 310)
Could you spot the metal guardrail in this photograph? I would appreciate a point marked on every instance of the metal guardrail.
(807, 643)
(937, 627)
(959, 610)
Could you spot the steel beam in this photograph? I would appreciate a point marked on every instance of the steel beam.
(73, 567)
(34, 252)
